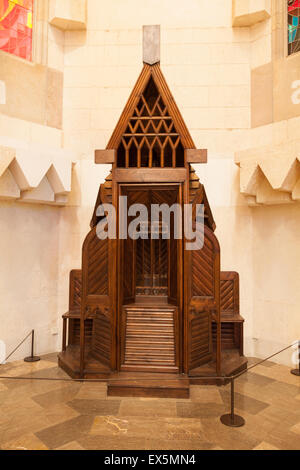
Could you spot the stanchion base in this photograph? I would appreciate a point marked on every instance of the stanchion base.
(32, 359)
(295, 372)
(236, 422)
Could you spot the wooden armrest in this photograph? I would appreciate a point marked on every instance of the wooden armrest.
(73, 314)
(229, 317)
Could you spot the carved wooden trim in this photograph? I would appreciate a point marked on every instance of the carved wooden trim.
(196, 156)
(150, 175)
(105, 156)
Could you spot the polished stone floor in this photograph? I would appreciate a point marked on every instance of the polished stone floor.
(67, 415)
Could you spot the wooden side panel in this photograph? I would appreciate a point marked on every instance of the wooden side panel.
(231, 321)
(202, 302)
(101, 338)
(75, 289)
(75, 328)
(203, 271)
(200, 337)
(97, 267)
(229, 294)
(97, 298)
(129, 274)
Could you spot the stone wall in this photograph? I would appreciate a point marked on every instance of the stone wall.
(232, 85)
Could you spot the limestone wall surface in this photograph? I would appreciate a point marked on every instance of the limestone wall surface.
(233, 84)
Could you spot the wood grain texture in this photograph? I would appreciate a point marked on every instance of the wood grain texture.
(150, 305)
(203, 301)
(231, 320)
(196, 156)
(105, 156)
(149, 336)
(147, 73)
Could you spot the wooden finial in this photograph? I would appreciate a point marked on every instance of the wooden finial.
(151, 44)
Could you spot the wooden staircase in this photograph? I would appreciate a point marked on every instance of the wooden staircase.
(149, 339)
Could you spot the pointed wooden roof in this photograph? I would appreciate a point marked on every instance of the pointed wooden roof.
(155, 72)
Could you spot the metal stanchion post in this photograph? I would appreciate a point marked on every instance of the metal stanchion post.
(297, 371)
(32, 358)
(231, 419)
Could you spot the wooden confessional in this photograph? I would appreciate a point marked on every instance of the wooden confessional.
(149, 309)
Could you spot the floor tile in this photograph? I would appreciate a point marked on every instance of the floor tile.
(243, 402)
(74, 445)
(112, 443)
(95, 407)
(25, 442)
(227, 438)
(68, 431)
(94, 391)
(67, 415)
(57, 396)
(205, 394)
(148, 428)
(152, 408)
(296, 428)
(156, 444)
(265, 446)
(200, 410)
(255, 379)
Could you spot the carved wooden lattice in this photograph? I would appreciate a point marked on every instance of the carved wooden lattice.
(150, 139)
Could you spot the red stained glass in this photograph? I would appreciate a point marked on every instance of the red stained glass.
(16, 27)
(293, 4)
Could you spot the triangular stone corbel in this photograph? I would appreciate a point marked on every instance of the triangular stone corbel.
(268, 196)
(282, 173)
(296, 192)
(250, 178)
(29, 167)
(250, 12)
(7, 154)
(68, 14)
(42, 194)
(8, 187)
(59, 176)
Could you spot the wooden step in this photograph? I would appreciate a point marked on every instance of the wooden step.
(158, 386)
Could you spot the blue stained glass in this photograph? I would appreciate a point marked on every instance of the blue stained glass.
(293, 29)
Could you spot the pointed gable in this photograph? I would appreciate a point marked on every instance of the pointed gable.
(151, 131)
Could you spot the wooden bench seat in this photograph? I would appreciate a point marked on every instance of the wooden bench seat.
(231, 320)
(71, 319)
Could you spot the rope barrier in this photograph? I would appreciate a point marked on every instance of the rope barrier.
(20, 344)
(229, 419)
(215, 377)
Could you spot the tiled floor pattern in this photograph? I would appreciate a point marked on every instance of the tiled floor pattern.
(62, 415)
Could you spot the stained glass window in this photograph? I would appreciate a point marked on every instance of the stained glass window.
(293, 26)
(16, 27)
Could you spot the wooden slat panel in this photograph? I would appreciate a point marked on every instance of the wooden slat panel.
(98, 267)
(203, 271)
(200, 338)
(229, 296)
(101, 341)
(150, 336)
